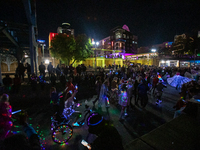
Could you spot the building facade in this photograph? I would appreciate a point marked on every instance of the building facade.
(120, 39)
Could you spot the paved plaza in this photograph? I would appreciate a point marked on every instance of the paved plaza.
(138, 122)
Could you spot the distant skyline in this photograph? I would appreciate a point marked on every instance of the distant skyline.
(153, 21)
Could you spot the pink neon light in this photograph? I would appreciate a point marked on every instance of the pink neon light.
(125, 27)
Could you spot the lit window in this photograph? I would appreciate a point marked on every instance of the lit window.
(133, 42)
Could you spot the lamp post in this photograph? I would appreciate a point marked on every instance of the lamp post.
(96, 44)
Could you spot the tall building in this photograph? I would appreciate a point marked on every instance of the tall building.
(65, 28)
(120, 39)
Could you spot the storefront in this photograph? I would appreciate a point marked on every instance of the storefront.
(169, 63)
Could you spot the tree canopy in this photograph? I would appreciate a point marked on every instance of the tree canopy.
(70, 49)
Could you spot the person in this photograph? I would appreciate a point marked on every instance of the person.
(50, 69)
(70, 85)
(63, 80)
(136, 83)
(108, 137)
(21, 70)
(7, 81)
(69, 108)
(180, 106)
(53, 79)
(98, 88)
(42, 82)
(159, 91)
(114, 91)
(5, 116)
(42, 69)
(16, 84)
(198, 81)
(155, 82)
(58, 71)
(142, 92)
(28, 69)
(19, 141)
(103, 97)
(123, 100)
(55, 99)
(130, 89)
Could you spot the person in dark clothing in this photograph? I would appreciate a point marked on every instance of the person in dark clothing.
(42, 69)
(142, 93)
(7, 81)
(108, 137)
(78, 69)
(66, 71)
(58, 71)
(28, 69)
(42, 82)
(135, 91)
(16, 84)
(63, 80)
(50, 69)
(53, 79)
(98, 88)
(21, 70)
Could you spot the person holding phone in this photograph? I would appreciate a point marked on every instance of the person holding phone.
(108, 137)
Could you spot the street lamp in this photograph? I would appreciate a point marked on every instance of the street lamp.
(153, 50)
(96, 44)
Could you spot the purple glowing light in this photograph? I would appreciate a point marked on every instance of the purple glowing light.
(125, 27)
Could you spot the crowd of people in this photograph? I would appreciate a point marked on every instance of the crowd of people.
(118, 86)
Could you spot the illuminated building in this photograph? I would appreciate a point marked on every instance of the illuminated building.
(120, 39)
(65, 29)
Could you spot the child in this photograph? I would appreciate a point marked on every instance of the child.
(69, 107)
(123, 100)
(55, 99)
(5, 116)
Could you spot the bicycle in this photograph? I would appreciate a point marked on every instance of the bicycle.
(62, 131)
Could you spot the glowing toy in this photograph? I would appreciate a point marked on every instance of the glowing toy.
(160, 78)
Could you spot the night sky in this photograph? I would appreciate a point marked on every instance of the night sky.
(153, 21)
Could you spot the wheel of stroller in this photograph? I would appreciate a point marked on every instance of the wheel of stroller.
(62, 133)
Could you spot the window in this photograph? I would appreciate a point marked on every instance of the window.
(133, 42)
(116, 48)
(124, 35)
(127, 37)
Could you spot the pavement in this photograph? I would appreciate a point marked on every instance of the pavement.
(138, 124)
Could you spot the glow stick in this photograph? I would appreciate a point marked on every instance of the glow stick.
(16, 112)
(108, 101)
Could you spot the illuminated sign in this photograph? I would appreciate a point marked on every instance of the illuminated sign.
(41, 41)
(51, 35)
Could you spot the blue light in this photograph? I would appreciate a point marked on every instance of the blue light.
(96, 123)
(41, 41)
